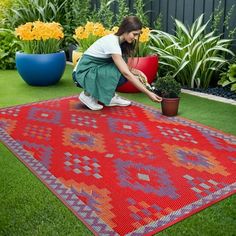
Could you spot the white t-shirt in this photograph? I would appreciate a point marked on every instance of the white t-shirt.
(105, 47)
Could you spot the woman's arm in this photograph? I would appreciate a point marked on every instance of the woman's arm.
(124, 69)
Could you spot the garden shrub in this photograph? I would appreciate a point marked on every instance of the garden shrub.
(191, 55)
(8, 48)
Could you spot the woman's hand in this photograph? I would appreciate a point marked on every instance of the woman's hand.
(154, 97)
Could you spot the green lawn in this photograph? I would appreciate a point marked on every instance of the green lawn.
(27, 207)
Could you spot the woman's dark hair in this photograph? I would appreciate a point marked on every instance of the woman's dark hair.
(129, 23)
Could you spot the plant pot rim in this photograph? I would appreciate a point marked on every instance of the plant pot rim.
(40, 54)
(151, 55)
(171, 98)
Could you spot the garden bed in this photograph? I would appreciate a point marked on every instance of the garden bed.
(217, 91)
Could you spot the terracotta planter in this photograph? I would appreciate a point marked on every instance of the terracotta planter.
(170, 106)
(148, 65)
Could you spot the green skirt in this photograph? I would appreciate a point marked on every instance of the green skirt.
(98, 76)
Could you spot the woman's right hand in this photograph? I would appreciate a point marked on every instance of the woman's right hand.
(154, 97)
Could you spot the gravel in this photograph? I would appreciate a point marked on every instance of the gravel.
(218, 91)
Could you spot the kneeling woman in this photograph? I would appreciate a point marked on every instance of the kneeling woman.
(102, 67)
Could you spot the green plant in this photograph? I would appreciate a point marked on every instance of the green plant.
(8, 48)
(139, 7)
(103, 13)
(158, 23)
(23, 11)
(229, 77)
(167, 87)
(123, 11)
(191, 56)
(219, 21)
(74, 11)
(5, 5)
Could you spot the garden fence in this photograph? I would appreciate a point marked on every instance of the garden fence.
(186, 11)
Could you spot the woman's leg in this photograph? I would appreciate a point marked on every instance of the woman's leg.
(122, 81)
(85, 97)
(117, 100)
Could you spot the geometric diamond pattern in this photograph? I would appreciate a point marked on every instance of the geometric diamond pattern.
(194, 159)
(134, 148)
(38, 132)
(203, 187)
(121, 170)
(145, 178)
(176, 134)
(82, 165)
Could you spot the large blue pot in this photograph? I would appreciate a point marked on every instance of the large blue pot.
(41, 69)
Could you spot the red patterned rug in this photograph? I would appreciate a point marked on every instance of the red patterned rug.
(122, 170)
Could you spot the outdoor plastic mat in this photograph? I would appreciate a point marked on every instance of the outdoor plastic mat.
(122, 170)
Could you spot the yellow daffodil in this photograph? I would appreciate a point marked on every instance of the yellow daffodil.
(40, 37)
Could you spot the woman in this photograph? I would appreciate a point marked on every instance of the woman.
(103, 67)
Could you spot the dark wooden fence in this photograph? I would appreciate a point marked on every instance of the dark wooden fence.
(186, 11)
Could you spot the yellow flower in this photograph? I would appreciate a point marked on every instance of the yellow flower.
(40, 31)
(40, 37)
(144, 37)
(114, 29)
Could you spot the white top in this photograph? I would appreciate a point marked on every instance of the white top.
(105, 47)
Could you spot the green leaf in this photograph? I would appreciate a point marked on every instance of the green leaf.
(181, 26)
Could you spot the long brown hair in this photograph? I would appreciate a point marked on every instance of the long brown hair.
(129, 23)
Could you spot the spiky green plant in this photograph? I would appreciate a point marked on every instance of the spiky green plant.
(139, 7)
(103, 13)
(123, 10)
(24, 11)
(191, 56)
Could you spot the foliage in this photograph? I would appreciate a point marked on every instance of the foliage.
(5, 5)
(40, 37)
(103, 13)
(123, 11)
(218, 20)
(229, 77)
(139, 6)
(167, 87)
(24, 11)
(158, 22)
(8, 48)
(192, 55)
(74, 11)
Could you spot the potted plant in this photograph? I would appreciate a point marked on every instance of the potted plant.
(41, 62)
(169, 89)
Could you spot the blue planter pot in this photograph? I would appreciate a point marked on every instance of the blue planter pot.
(41, 69)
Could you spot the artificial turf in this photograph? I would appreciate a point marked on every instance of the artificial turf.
(27, 207)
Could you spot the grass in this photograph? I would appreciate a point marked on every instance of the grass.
(27, 207)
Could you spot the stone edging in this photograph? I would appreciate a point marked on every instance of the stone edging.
(209, 96)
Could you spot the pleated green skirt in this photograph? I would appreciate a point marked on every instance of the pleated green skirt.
(98, 76)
